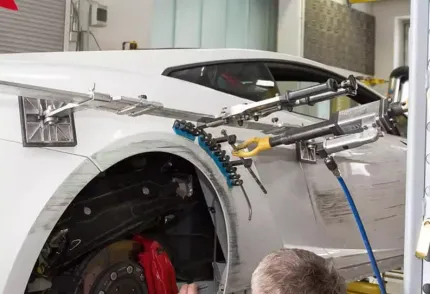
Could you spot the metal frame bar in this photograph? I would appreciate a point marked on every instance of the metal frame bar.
(416, 177)
(399, 40)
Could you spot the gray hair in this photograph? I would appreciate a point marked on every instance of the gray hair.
(296, 271)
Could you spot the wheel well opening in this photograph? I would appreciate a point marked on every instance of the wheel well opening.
(156, 195)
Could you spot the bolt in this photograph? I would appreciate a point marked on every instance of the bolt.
(275, 120)
(113, 276)
(145, 190)
(101, 292)
(87, 210)
(130, 269)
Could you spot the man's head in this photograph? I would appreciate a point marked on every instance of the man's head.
(296, 271)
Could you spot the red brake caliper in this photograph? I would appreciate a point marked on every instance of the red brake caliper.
(159, 272)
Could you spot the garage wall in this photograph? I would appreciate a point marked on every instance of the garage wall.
(340, 36)
(291, 41)
(127, 20)
(290, 27)
(37, 26)
(185, 23)
(291, 21)
(290, 35)
(214, 24)
(385, 13)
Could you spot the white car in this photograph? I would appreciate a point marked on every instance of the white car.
(78, 185)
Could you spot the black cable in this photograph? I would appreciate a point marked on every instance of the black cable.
(95, 39)
(76, 12)
(76, 15)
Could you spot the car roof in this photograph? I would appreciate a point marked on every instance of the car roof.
(157, 60)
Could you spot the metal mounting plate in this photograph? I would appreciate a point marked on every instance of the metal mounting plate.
(36, 133)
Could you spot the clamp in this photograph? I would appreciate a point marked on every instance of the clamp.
(349, 129)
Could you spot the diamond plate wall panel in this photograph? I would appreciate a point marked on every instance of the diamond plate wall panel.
(339, 36)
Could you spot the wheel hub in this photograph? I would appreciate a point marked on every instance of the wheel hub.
(123, 277)
(115, 270)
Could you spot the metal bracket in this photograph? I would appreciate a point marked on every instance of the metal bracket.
(47, 114)
(340, 143)
(120, 105)
(306, 152)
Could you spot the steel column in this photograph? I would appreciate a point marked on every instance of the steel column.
(418, 145)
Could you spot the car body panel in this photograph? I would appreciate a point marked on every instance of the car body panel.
(302, 204)
(313, 213)
(31, 203)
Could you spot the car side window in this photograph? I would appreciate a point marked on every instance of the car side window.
(290, 78)
(249, 80)
(321, 110)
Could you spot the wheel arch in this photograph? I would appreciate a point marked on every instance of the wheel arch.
(210, 177)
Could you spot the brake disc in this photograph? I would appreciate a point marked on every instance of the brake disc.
(115, 270)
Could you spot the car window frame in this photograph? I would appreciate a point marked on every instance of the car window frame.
(364, 94)
(222, 90)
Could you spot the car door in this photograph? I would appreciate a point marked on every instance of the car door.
(269, 228)
(278, 168)
(307, 206)
(374, 173)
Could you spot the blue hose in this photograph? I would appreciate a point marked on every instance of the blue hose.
(363, 234)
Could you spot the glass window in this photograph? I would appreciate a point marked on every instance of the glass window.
(250, 80)
(257, 81)
(321, 110)
(291, 80)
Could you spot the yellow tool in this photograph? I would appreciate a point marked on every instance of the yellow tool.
(132, 45)
(361, 1)
(369, 81)
(330, 127)
(362, 288)
(262, 144)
